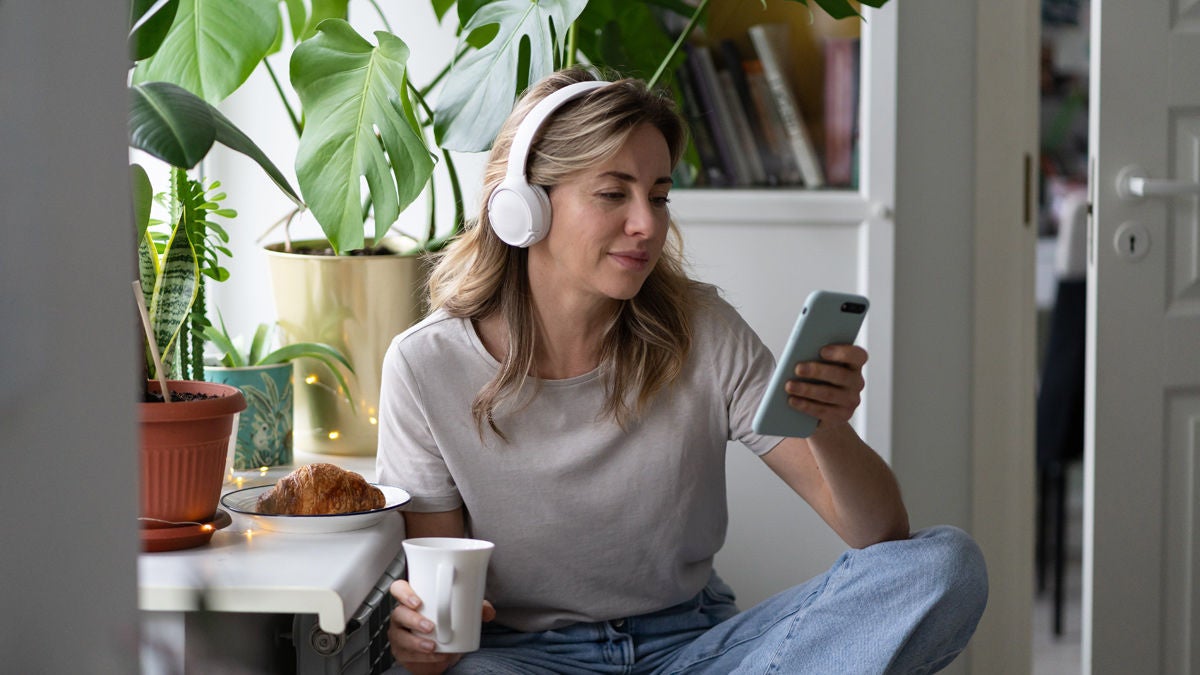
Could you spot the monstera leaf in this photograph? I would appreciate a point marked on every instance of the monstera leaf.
(359, 123)
(213, 46)
(479, 91)
(149, 22)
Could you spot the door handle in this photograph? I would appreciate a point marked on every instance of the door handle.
(1133, 184)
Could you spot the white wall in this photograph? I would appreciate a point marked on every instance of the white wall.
(68, 350)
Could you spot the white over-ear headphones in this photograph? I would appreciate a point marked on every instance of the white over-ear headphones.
(520, 212)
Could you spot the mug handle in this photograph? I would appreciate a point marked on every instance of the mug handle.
(445, 580)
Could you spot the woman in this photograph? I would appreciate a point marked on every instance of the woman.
(570, 399)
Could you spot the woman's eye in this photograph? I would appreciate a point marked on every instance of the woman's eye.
(660, 201)
(612, 196)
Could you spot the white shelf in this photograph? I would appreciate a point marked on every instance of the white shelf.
(781, 206)
(244, 569)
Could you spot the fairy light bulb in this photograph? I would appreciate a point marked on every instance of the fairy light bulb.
(334, 435)
(311, 379)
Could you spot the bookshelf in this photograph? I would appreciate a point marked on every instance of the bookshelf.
(776, 87)
(832, 237)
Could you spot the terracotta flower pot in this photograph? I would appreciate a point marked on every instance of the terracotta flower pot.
(184, 450)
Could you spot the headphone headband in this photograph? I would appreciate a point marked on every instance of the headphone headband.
(518, 154)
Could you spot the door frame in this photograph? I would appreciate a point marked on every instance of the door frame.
(1004, 319)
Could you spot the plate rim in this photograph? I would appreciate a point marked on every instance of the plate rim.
(405, 497)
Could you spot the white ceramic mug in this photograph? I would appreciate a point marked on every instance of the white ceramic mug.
(448, 574)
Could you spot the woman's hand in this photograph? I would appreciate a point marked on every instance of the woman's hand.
(838, 393)
(410, 635)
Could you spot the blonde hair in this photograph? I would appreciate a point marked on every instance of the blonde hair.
(643, 348)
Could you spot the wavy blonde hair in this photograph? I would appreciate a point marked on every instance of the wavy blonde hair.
(644, 346)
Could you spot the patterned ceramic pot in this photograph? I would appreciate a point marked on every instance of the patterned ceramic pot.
(264, 436)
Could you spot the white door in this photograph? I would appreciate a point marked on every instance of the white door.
(1141, 595)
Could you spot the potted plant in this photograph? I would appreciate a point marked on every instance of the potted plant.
(265, 376)
(186, 424)
(369, 138)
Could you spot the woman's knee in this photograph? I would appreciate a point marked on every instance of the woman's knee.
(955, 566)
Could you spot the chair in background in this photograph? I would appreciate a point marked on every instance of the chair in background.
(1060, 399)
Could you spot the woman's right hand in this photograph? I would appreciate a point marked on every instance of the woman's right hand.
(410, 635)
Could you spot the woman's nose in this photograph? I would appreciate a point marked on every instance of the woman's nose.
(645, 219)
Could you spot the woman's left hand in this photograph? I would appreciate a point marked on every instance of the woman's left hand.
(837, 392)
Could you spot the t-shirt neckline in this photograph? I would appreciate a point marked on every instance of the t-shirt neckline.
(472, 336)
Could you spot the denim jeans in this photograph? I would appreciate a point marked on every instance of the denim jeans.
(897, 607)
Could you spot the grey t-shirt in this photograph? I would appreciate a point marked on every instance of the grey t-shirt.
(591, 522)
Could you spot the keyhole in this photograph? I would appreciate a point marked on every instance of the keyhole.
(1132, 241)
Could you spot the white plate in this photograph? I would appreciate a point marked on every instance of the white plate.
(244, 502)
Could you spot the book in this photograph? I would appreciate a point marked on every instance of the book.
(774, 135)
(771, 44)
(747, 111)
(747, 147)
(712, 172)
(715, 108)
(841, 56)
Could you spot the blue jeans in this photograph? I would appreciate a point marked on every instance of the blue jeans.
(897, 607)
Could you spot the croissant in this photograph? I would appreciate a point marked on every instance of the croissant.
(320, 489)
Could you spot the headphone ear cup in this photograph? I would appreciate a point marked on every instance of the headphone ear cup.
(519, 213)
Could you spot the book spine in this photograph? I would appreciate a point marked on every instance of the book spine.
(775, 138)
(747, 146)
(708, 86)
(711, 168)
(841, 110)
(769, 43)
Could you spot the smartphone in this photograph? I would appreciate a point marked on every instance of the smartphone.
(827, 318)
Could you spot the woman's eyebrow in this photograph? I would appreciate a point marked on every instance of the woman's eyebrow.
(628, 178)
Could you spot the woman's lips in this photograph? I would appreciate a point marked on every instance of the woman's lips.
(632, 260)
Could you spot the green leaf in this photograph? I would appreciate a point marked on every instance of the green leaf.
(213, 46)
(149, 21)
(312, 350)
(257, 344)
(321, 352)
(143, 198)
(440, 7)
(620, 35)
(479, 91)
(321, 10)
(230, 357)
(838, 9)
(170, 123)
(297, 14)
(174, 290)
(147, 268)
(349, 90)
(229, 135)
